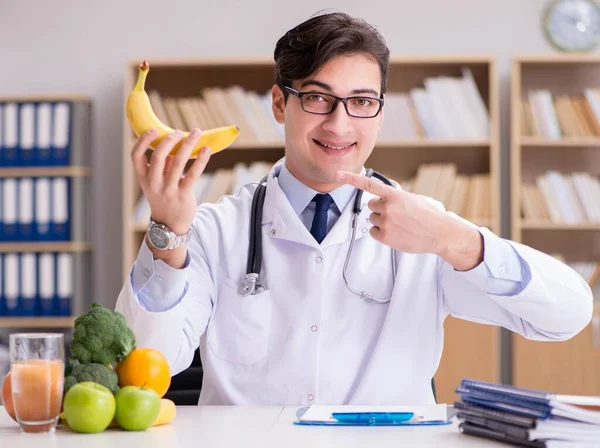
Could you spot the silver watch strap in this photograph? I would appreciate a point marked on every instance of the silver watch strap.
(180, 240)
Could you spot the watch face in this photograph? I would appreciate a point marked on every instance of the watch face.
(572, 25)
(159, 238)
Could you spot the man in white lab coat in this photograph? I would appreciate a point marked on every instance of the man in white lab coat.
(307, 337)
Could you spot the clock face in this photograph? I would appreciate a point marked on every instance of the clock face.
(572, 25)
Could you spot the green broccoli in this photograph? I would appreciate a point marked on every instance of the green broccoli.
(101, 336)
(98, 373)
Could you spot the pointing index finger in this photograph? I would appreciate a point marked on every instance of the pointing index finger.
(368, 184)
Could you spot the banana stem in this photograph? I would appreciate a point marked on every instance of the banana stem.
(143, 69)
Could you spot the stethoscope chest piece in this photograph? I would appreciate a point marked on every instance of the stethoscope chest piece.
(249, 285)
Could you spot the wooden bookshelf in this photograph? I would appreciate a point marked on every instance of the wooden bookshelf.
(569, 367)
(397, 158)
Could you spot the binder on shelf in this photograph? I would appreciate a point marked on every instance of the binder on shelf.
(11, 284)
(64, 284)
(46, 281)
(25, 228)
(9, 209)
(11, 134)
(43, 122)
(61, 133)
(59, 227)
(43, 192)
(26, 156)
(28, 285)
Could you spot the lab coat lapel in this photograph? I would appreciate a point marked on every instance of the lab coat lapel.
(280, 217)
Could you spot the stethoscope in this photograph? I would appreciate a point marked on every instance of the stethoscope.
(251, 283)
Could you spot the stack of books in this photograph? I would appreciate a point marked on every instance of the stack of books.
(527, 417)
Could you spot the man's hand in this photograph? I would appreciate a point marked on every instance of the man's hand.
(409, 223)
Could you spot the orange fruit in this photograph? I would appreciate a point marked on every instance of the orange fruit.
(145, 367)
(7, 400)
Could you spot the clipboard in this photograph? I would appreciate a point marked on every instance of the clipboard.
(370, 416)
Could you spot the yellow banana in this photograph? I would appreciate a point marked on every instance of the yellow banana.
(168, 411)
(142, 118)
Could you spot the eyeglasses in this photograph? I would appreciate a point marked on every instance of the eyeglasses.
(323, 103)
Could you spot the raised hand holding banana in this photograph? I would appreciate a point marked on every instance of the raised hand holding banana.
(170, 193)
(409, 223)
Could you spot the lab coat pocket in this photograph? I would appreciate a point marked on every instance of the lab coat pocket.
(239, 332)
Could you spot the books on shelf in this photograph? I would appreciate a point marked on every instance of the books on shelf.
(36, 284)
(443, 108)
(527, 417)
(211, 186)
(216, 106)
(466, 195)
(556, 116)
(557, 197)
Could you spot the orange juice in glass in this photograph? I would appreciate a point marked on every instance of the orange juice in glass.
(37, 375)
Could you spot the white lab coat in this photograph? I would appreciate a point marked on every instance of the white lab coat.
(307, 339)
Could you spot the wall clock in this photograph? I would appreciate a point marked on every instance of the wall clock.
(572, 25)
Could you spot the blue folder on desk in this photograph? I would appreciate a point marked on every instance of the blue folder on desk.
(372, 415)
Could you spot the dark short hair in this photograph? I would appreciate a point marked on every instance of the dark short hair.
(307, 47)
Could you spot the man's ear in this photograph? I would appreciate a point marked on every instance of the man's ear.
(278, 103)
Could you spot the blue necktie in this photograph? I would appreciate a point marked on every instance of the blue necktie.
(319, 224)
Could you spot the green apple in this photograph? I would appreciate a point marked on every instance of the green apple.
(137, 408)
(89, 407)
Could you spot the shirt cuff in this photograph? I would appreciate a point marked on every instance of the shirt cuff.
(503, 271)
(158, 286)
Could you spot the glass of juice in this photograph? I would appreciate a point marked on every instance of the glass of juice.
(37, 366)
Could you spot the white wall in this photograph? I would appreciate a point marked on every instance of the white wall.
(64, 46)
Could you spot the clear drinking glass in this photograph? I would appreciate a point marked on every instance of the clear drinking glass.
(37, 366)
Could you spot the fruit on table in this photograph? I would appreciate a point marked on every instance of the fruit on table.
(89, 407)
(137, 408)
(145, 367)
(167, 412)
(101, 336)
(7, 400)
(142, 118)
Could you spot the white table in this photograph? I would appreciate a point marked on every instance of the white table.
(244, 427)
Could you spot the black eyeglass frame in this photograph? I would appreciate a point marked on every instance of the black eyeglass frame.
(337, 100)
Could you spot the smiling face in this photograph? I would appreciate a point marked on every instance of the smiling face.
(317, 146)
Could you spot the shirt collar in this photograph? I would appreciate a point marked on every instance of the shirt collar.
(300, 195)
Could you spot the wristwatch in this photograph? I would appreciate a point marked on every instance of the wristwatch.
(162, 238)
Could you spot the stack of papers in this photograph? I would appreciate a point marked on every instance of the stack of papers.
(362, 415)
(527, 417)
